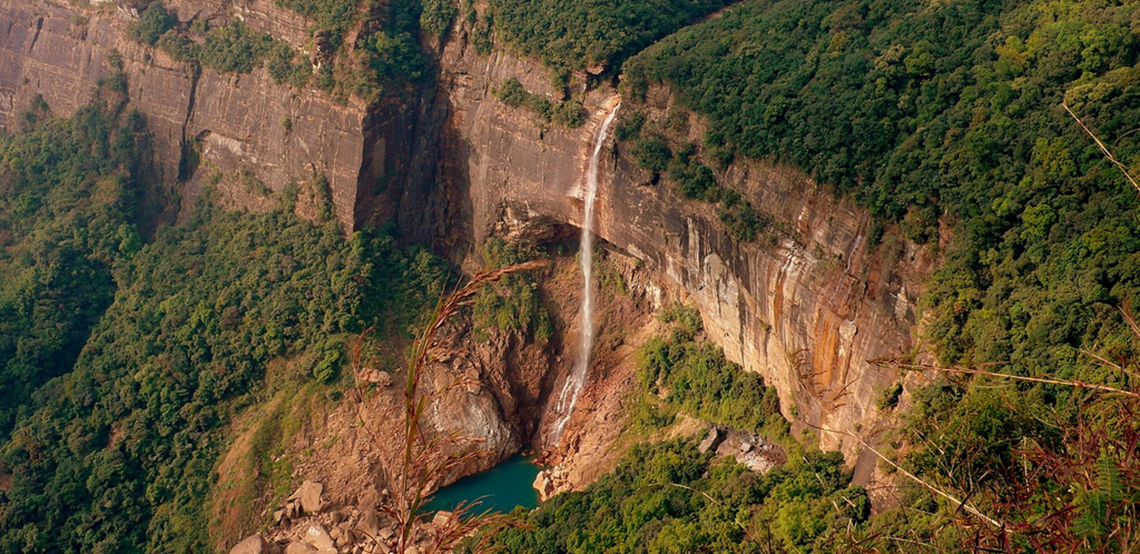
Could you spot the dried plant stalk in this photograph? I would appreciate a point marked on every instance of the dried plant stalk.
(1107, 153)
(961, 504)
(427, 457)
(974, 371)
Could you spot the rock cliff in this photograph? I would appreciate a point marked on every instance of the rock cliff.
(208, 126)
(809, 311)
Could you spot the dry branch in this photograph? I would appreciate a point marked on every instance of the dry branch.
(1107, 153)
(971, 371)
(961, 504)
(428, 457)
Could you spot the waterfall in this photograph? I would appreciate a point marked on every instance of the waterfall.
(569, 395)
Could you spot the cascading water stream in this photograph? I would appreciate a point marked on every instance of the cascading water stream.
(569, 395)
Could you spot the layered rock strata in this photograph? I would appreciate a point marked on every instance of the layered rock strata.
(209, 126)
(809, 307)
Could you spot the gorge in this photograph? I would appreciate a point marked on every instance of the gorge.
(793, 229)
(807, 312)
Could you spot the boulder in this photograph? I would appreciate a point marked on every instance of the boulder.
(309, 497)
(381, 379)
(544, 484)
(442, 517)
(319, 539)
(712, 440)
(300, 548)
(369, 522)
(254, 544)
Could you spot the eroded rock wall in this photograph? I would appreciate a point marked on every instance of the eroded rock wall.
(234, 123)
(809, 308)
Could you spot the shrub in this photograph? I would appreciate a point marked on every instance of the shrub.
(152, 24)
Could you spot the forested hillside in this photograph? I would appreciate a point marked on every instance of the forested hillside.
(570, 36)
(69, 196)
(124, 361)
(948, 120)
(999, 135)
(952, 113)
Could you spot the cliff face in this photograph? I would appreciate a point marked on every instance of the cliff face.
(227, 123)
(808, 312)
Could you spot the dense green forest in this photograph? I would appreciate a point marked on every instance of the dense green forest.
(574, 35)
(946, 119)
(69, 196)
(700, 381)
(655, 502)
(135, 356)
(955, 110)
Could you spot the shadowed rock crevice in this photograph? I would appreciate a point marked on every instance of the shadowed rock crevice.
(188, 162)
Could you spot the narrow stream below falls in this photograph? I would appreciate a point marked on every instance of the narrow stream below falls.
(500, 489)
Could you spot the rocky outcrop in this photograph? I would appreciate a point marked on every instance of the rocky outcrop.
(209, 126)
(809, 310)
(751, 450)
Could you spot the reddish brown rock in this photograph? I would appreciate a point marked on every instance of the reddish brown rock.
(808, 307)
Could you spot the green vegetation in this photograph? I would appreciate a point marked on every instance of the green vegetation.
(571, 35)
(512, 303)
(950, 110)
(69, 196)
(228, 48)
(693, 178)
(654, 503)
(117, 407)
(153, 22)
(698, 379)
(197, 316)
(566, 114)
(437, 16)
(386, 61)
(331, 18)
(287, 66)
(950, 114)
(234, 48)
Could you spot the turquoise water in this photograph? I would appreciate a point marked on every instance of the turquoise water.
(499, 489)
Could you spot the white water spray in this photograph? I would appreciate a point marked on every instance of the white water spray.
(569, 395)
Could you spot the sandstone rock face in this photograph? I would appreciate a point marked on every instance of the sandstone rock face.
(236, 123)
(808, 312)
